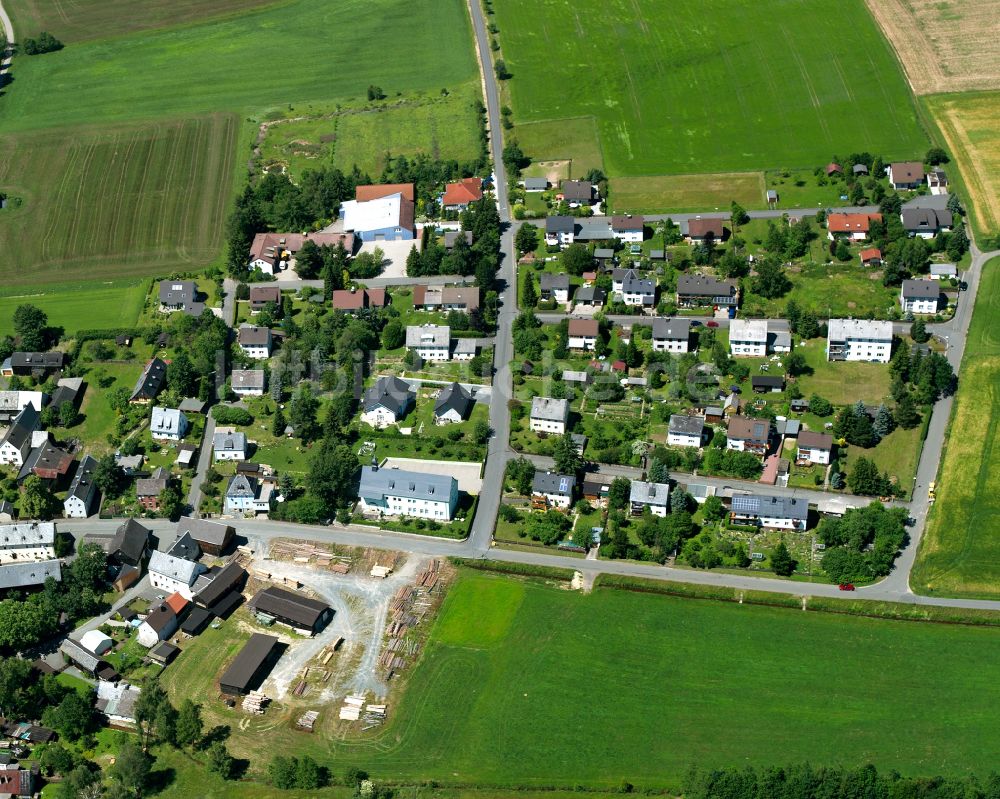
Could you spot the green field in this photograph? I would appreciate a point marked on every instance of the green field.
(960, 552)
(117, 201)
(686, 192)
(78, 306)
(441, 126)
(693, 88)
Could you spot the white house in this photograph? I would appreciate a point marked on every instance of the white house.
(906, 174)
(937, 181)
(454, 404)
(655, 496)
(628, 228)
(397, 492)
(559, 230)
(549, 415)
(814, 448)
(96, 642)
(553, 490)
(859, 340)
(255, 341)
(685, 431)
(229, 445)
(779, 513)
(430, 342)
(638, 291)
(386, 402)
(465, 349)
(671, 335)
(167, 424)
(248, 382)
(248, 495)
(19, 439)
(748, 337)
(919, 296)
(168, 573)
(554, 287)
(583, 334)
(82, 490)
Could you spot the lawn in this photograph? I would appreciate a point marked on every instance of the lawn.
(441, 126)
(573, 144)
(674, 92)
(958, 554)
(116, 201)
(312, 53)
(896, 454)
(842, 382)
(77, 306)
(494, 702)
(658, 193)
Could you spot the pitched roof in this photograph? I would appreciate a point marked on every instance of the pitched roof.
(870, 254)
(179, 569)
(686, 425)
(150, 381)
(811, 440)
(177, 292)
(747, 428)
(24, 424)
(467, 190)
(921, 289)
(551, 282)
(204, 531)
(267, 246)
(929, 219)
(389, 392)
(253, 336)
(233, 441)
(166, 420)
(451, 238)
(703, 286)
(248, 378)
(645, 493)
(577, 190)
(766, 381)
(379, 483)
(455, 397)
(559, 224)
(626, 223)
(764, 505)
(130, 540)
(907, 171)
(584, 327)
(24, 535)
(22, 575)
(850, 223)
(671, 329)
(176, 602)
(702, 226)
(241, 487)
(83, 487)
(428, 336)
(553, 483)
(161, 617)
(37, 360)
(261, 295)
(242, 671)
(289, 605)
(752, 330)
(356, 299)
(223, 581)
(377, 192)
(550, 409)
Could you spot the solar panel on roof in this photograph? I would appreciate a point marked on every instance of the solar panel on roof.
(563, 485)
(744, 503)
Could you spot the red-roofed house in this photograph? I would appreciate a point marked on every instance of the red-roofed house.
(833, 168)
(871, 257)
(701, 228)
(365, 194)
(176, 602)
(852, 226)
(583, 334)
(356, 300)
(270, 249)
(457, 196)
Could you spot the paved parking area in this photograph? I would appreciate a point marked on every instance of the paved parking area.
(395, 254)
(466, 472)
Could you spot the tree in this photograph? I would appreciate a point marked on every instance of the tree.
(108, 476)
(308, 260)
(619, 492)
(219, 760)
(31, 327)
(83, 782)
(713, 509)
(958, 243)
(526, 238)
(56, 758)
(782, 562)
(501, 69)
(189, 724)
(918, 332)
(520, 473)
(45, 42)
(739, 215)
(170, 501)
(795, 364)
(67, 414)
(884, 422)
(481, 433)
(37, 501)
(820, 406)
(303, 414)
(393, 335)
(281, 772)
(935, 156)
(308, 775)
(130, 771)
(529, 296)
(907, 415)
(680, 500)
(181, 375)
(842, 251)
(71, 718)
(576, 259)
(864, 478)
(770, 281)
(375, 92)
(567, 458)
(278, 423)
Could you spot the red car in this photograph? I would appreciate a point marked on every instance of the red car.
(713, 323)
(846, 586)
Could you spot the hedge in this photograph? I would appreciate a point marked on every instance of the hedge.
(509, 567)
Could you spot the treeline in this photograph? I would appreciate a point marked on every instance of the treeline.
(480, 259)
(864, 543)
(808, 782)
(45, 42)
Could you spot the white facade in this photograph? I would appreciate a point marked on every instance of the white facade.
(255, 342)
(75, 508)
(397, 492)
(430, 342)
(549, 415)
(683, 440)
(814, 455)
(379, 418)
(859, 340)
(167, 424)
(748, 338)
(923, 297)
(170, 574)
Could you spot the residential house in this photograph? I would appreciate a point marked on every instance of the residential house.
(576, 192)
(203, 535)
(353, 300)
(386, 402)
(381, 213)
(398, 492)
(453, 404)
(260, 296)
(168, 424)
(452, 237)
(29, 573)
(925, 223)
(38, 365)
(748, 337)
(655, 496)
(554, 287)
(270, 251)
(447, 298)
(559, 230)
(671, 335)
(20, 437)
(919, 296)
(944, 271)
(117, 702)
(871, 257)
(255, 341)
(162, 620)
(746, 434)
(169, 573)
(694, 291)
(906, 174)
(13, 402)
(814, 448)
(686, 431)
(638, 291)
(150, 382)
(628, 229)
(701, 229)
(130, 544)
(764, 384)
(583, 334)
(549, 415)
(430, 342)
(851, 226)
(458, 196)
(551, 490)
(180, 295)
(535, 184)
(248, 382)
(761, 510)
(148, 489)
(937, 181)
(229, 445)
(592, 296)
(779, 341)
(19, 781)
(27, 554)
(83, 658)
(859, 340)
(465, 349)
(248, 495)
(82, 490)
(292, 609)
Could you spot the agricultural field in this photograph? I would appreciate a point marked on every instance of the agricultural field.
(638, 195)
(500, 650)
(573, 144)
(958, 554)
(680, 95)
(944, 46)
(115, 202)
(970, 125)
(441, 126)
(79, 20)
(77, 306)
(205, 68)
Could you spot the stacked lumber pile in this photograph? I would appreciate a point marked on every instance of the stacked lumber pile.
(255, 702)
(307, 720)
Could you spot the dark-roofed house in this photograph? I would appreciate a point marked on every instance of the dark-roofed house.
(638, 291)
(446, 298)
(248, 382)
(685, 431)
(251, 666)
(451, 238)
(628, 228)
(160, 623)
(29, 573)
(163, 653)
(180, 295)
(301, 613)
(82, 490)
(46, 461)
(814, 448)
(231, 577)
(701, 228)
(698, 290)
(747, 434)
(906, 174)
(130, 544)
(82, 658)
(919, 296)
(229, 445)
(248, 496)
(255, 341)
(925, 223)
(554, 287)
(552, 490)
(260, 296)
(453, 404)
(780, 513)
(671, 335)
(536, 184)
(32, 364)
(15, 447)
(353, 300)
(150, 382)
(68, 390)
(386, 402)
(763, 384)
(583, 334)
(590, 295)
(148, 489)
(185, 547)
(576, 191)
(211, 537)
(196, 621)
(655, 496)
(559, 230)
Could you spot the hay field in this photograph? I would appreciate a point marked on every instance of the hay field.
(945, 45)
(687, 89)
(574, 141)
(653, 193)
(118, 201)
(78, 306)
(970, 125)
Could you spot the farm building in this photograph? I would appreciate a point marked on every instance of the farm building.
(301, 613)
(251, 666)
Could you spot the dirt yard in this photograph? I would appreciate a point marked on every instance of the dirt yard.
(945, 46)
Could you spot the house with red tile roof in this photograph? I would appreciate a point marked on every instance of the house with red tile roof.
(457, 196)
(851, 226)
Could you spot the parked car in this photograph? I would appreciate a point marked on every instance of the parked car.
(713, 323)
(846, 586)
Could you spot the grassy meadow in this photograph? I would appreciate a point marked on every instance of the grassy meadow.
(679, 90)
(78, 306)
(643, 194)
(960, 551)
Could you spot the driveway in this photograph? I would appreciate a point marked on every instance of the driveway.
(465, 472)
(396, 253)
